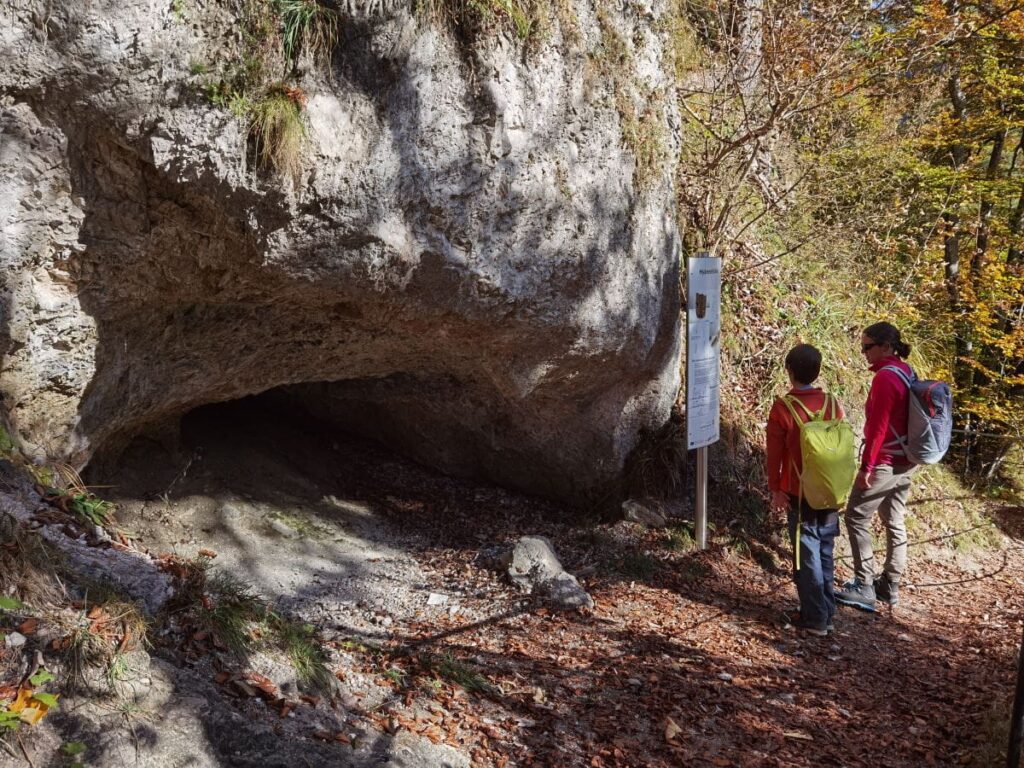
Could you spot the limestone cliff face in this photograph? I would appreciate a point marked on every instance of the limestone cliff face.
(465, 269)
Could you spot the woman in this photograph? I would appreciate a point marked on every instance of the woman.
(883, 483)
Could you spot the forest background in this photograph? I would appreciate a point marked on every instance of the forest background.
(853, 163)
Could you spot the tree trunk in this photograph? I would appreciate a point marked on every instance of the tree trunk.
(962, 373)
(1013, 256)
(951, 246)
(750, 53)
(987, 204)
(951, 257)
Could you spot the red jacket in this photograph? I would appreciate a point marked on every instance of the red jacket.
(887, 406)
(782, 447)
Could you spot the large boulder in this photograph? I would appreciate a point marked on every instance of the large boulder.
(467, 265)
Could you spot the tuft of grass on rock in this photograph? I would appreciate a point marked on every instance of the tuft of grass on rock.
(528, 20)
(240, 622)
(307, 26)
(277, 131)
(305, 652)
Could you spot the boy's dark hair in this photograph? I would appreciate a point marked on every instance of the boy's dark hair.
(804, 362)
(887, 333)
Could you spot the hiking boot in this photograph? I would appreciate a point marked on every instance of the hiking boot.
(887, 591)
(808, 627)
(858, 595)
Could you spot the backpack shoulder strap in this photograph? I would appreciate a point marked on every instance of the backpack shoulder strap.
(830, 399)
(788, 401)
(899, 372)
(898, 439)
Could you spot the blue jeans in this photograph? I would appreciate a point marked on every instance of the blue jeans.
(814, 578)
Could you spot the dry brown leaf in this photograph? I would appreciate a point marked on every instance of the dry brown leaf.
(28, 626)
(671, 729)
(264, 684)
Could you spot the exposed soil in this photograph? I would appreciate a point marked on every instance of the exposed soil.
(687, 659)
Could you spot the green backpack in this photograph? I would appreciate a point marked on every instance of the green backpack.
(829, 458)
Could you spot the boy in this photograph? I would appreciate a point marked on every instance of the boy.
(814, 566)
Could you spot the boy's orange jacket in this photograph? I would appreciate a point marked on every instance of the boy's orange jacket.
(782, 447)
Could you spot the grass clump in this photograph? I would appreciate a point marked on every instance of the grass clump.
(454, 671)
(680, 538)
(257, 85)
(994, 736)
(215, 604)
(638, 565)
(307, 26)
(655, 467)
(99, 635)
(28, 567)
(528, 20)
(304, 651)
(277, 131)
(229, 611)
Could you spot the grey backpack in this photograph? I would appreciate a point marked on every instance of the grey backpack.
(929, 421)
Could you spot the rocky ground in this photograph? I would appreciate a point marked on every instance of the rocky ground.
(686, 658)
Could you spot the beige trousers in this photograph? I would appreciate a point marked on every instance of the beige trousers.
(887, 495)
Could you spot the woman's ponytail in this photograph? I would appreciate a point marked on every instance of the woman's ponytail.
(887, 333)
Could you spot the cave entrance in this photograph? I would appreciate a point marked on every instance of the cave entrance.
(262, 447)
(314, 519)
(293, 474)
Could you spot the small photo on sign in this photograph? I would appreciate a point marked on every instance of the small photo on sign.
(702, 305)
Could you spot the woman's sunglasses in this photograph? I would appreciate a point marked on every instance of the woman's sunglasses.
(866, 347)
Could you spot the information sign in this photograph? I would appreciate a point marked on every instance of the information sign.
(703, 335)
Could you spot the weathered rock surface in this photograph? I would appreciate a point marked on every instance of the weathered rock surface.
(465, 268)
(180, 719)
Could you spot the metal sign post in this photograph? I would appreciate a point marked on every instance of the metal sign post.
(703, 332)
(701, 511)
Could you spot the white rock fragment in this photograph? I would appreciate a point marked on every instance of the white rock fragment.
(15, 640)
(533, 565)
(644, 513)
(285, 530)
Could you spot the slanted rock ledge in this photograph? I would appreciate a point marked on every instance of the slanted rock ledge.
(465, 269)
(135, 573)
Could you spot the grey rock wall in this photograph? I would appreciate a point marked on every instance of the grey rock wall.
(465, 268)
